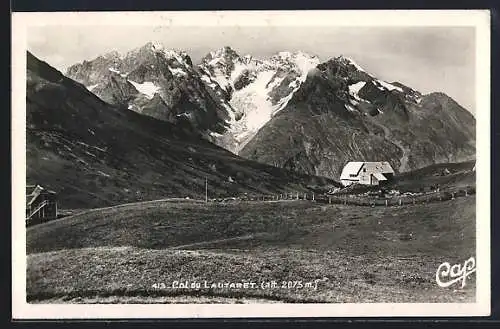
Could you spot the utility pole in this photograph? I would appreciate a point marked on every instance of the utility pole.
(206, 189)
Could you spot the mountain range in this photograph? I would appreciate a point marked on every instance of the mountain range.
(289, 110)
(97, 154)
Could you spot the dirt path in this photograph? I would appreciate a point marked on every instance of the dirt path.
(138, 203)
(205, 243)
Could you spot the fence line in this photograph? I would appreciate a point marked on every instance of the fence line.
(366, 200)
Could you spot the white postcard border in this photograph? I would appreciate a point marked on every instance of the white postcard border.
(480, 19)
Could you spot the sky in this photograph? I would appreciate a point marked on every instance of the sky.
(425, 58)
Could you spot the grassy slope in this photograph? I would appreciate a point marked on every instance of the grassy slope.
(360, 254)
(460, 175)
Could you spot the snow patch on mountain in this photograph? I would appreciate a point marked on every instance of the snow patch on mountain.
(354, 92)
(294, 84)
(356, 87)
(177, 55)
(92, 87)
(177, 72)
(389, 86)
(214, 134)
(351, 61)
(147, 88)
(256, 102)
(230, 112)
(350, 108)
(284, 101)
(304, 62)
(222, 81)
(238, 69)
(214, 61)
(209, 81)
(157, 46)
(185, 114)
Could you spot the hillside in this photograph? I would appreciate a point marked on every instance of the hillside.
(356, 254)
(95, 154)
(341, 113)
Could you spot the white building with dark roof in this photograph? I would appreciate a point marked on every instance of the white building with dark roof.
(366, 173)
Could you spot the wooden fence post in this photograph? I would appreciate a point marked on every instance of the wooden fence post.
(313, 196)
(465, 192)
(386, 202)
(400, 202)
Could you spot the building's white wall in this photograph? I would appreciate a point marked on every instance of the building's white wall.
(364, 177)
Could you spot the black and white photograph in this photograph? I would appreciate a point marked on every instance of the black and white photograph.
(317, 160)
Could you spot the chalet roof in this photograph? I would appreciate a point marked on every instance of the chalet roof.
(354, 167)
(351, 168)
(379, 176)
(383, 167)
(35, 192)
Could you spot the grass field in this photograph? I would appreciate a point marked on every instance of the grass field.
(356, 254)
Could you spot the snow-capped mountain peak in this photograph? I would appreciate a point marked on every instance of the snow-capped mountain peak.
(112, 55)
(155, 81)
(349, 61)
(299, 60)
(256, 88)
(157, 46)
(223, 54)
